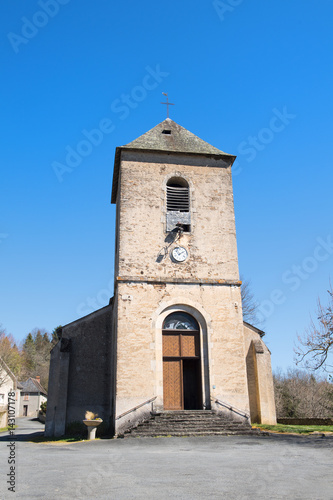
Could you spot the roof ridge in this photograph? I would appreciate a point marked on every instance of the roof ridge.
(34, 381)
(170, 136)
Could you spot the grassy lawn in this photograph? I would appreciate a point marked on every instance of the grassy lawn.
(298, 429)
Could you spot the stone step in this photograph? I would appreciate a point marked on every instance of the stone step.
(192, 433)
(186, 412)
(193, 425)
(184, 421)
(189, 413)
(192, 418)
(190, 423)
(191, 429)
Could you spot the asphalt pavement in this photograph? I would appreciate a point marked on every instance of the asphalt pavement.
(236, 467)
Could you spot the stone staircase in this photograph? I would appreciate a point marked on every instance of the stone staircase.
(190, 423)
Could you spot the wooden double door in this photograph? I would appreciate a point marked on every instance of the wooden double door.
(182, 388)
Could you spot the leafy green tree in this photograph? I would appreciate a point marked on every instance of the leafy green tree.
(32, 358)
(43, 407)
(38, 340)
(28, 353)
(56, 334)
(36, 354)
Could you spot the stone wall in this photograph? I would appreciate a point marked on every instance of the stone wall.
(260, 378)
(81, 372)
(32, 402)
(112, 361)
(144, 245)
(151, 286)
(8, 385)
(3, 416)
(142, 307)
(55, 424)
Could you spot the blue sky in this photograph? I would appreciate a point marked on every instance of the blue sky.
(252, 78)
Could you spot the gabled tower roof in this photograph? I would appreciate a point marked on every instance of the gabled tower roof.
(170, 137)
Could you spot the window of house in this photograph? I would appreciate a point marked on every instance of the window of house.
(26, 397)
(2, 399)
(178, 204)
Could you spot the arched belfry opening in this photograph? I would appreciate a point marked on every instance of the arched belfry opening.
(178, 204)
(178, 198)
(182, 385)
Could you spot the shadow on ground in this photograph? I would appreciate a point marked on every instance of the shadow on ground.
(27, 429)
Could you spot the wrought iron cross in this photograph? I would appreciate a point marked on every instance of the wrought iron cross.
(167, 103)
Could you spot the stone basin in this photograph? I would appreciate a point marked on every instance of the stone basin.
(92, 426)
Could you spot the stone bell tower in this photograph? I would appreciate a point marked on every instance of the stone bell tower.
(173, 335)
(177, 306)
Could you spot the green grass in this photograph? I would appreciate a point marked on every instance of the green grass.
(7, 429)
(62, 439)
(75, 432)
(298, 429)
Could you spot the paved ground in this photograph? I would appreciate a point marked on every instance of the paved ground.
(232, 468)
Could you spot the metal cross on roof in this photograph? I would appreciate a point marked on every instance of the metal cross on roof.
(167, 103)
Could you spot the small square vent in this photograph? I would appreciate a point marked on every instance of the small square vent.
(167, 132)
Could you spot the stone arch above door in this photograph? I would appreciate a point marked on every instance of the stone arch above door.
(204, 322)
(182, 380)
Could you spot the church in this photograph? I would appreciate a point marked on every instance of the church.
(172, 337)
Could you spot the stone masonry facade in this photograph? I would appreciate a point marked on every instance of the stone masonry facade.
(115, 360)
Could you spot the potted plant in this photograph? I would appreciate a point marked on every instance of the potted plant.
(92, 422)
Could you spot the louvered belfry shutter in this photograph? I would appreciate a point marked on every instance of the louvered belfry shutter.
(178, 205)
(178, 199)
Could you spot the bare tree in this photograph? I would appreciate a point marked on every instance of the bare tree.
(249, 304)
(316, 344)
(5, 372)
(301, 394)
(9, 352)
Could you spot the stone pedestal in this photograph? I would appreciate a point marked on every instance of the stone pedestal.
(92, 426)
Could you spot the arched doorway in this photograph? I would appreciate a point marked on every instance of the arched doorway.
(182, 388)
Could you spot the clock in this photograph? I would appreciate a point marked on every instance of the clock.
(179, 254)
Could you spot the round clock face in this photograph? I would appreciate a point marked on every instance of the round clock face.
(179, 254)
